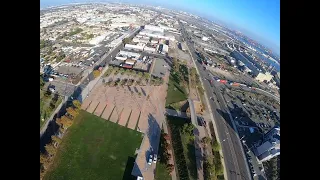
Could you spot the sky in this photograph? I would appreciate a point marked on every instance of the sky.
(258, 19)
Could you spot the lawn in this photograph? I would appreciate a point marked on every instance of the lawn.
(184, 150)
(95, 149)
(161, 172)
(175, 92)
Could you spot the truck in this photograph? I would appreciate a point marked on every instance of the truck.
(236, 84)
(223, 81)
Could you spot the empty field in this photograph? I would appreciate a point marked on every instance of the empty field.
(175, 92)
(94, 149)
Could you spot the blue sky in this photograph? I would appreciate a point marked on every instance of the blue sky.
(259, 19)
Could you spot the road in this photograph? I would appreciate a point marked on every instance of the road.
(232, 150)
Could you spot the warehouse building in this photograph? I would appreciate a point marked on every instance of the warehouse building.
(270, 146)
(239, 57)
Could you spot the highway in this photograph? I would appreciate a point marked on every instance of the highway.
(232, 150)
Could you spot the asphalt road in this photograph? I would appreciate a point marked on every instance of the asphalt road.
(235, 162)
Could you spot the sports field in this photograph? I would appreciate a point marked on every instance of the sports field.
(94, 148)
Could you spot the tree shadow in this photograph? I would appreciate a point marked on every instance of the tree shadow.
(135, 89)
(143, 92)
(184, 107)
(129, 88)
(153, 133)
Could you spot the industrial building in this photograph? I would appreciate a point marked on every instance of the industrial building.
(238, 56)
(270, 146)
(155, 32)
(264, 77)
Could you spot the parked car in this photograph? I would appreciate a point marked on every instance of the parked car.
(155, 158)
(150, 160)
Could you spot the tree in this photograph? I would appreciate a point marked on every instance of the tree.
(56, 140)
(51, 150)
(64, 122)
(140, 74)
(215, 146)
(166, 136)
(188, 129)
(170, 168)
(41, 82)
(206, 140)
(126, 40)
(96, 73)
(72, 111)
(76, 104)
(146, 75)
(43, 158)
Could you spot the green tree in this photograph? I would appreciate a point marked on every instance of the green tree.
(51, 150)
(41, 82)
(215, 146)
(206, 140)
(76, 104)
(96, 73)
(126, 40)
(188, 129)
(56, 140)
(72, 111)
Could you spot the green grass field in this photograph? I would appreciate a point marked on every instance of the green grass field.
(175, 92)
(161, 172)
(94, 148)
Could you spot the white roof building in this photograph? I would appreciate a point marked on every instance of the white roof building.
(270, 146)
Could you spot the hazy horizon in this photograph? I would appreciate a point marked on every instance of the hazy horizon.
(267, 32)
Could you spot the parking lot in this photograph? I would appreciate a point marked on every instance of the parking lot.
(253, 117)
(160, 67)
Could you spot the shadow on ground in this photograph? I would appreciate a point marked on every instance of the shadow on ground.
(127, 173)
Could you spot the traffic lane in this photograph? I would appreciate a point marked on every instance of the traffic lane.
(234, 138)
(222, 132)
(218, 122)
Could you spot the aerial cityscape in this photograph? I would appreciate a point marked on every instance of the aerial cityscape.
(146, 92)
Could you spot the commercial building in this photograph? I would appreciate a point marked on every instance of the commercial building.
(205, 38)
(154, 28)
(270, 146)
(264, 77)
(135, 47)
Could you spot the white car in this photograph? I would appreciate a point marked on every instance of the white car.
(155, 158)
(150, 160)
